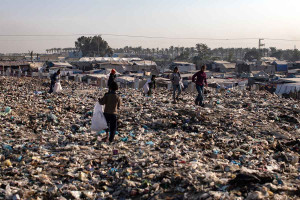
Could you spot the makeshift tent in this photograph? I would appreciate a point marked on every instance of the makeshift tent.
(281, 66)
(287, 88)
(261, 74)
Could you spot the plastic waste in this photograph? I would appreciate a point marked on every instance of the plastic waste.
(179, 151)
(150, 143)
(57, 88)
(98, 120)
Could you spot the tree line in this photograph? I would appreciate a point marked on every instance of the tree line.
(200, 53)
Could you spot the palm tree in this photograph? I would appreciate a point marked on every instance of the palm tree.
(181, 50)
(222, 51)
(193, 51)
(176, 51)
(126, 49)
(153, 51)
(148, 51)
(139, 50)
(187, 52)
(172, 51)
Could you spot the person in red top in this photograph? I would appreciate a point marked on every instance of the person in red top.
(200, 79)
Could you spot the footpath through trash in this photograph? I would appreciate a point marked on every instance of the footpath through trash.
(241, 145)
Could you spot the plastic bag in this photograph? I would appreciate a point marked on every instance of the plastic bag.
(181, 85)
(98, 120)
(146, 88)
(57, 87)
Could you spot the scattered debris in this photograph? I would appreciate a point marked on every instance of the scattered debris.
(241, 145)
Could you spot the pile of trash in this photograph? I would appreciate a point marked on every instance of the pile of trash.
(241, 145)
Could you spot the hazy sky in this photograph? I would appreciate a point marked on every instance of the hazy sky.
(167, 18)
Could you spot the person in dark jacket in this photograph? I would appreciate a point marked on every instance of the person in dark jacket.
(54, 79)
(200, 79)
(112, 103)
(112, 77)
(152, 85)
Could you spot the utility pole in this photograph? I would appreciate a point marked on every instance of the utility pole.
(98, 45)
(260, 44)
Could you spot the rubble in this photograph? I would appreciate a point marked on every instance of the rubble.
(241, 145)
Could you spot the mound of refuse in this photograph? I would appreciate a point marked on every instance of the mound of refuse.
(241, 145)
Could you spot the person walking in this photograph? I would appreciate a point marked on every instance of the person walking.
(112, 103)
(112, 77)
(152, 85)
(199, 79)
(176, 82)
(54, 79)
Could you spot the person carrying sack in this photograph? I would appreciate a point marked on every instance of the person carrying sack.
(112, 103)
(54, 79)
(152, 85)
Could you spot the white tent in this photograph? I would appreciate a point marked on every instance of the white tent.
(287, 88)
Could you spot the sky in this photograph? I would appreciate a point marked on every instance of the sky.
(216, 19)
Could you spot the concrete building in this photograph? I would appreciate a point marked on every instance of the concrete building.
(15, 66)
(183, 66)
(120, 64)
(281, 66)
(223, 66)
(250, 67)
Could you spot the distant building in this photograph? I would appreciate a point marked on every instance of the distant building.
(50, 57)
(250, 67)
(294, 65)
(75, 54)
(54, 66)
(120, 64)
(281, 66)
(15, 66)
(12, 57)
(183, 66)
(223, 66)
(268, 60)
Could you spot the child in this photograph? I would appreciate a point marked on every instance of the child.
(176, 80)
(112, 103)
(152, 85)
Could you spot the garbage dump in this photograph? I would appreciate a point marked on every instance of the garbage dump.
(241, 145)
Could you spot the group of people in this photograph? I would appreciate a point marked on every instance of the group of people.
(113, 102)
(198, 78)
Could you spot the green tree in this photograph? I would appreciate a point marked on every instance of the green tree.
(171, 49)
(273, 50)
(204, 53)
(252, 55)
(277, 54)
(91, 46)
(230, 55)
(296, 55)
